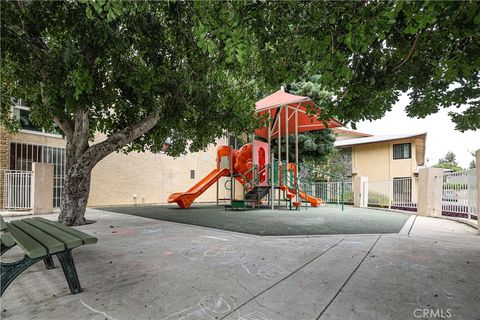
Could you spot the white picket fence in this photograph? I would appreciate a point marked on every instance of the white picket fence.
(17, 190)
(459, 194)
(398, 193)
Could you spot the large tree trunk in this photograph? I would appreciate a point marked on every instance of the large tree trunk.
(81, 158)
(75, 196)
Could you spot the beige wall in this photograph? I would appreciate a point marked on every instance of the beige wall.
(118, 177)
(375, 161)
(151, 177)
(41, 139)
(4, 159)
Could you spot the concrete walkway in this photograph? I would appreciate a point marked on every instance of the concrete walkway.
(151, 269)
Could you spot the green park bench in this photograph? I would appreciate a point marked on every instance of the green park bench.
(40, 239)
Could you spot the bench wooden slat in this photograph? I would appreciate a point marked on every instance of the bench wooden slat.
(67, 239)
(7, 239)
(86, 238)
(30, 246)
(52, 244)
(2, 224)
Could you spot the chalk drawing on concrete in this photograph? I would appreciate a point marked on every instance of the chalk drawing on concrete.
(103, 314)
(209, 307)
(214, 307)
(222, 254)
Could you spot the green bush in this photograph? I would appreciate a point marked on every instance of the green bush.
(377, 199)
(347, 197)
(455, 186)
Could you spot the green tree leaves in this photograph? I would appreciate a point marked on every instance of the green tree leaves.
(121, 61)
(313, 147)
(367, 53)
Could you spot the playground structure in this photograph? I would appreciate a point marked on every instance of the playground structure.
(254, 174)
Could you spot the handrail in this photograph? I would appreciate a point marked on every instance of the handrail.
(264, 168)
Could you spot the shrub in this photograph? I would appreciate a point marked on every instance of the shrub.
(377, 199)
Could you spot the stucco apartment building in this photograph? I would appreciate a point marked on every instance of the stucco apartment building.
(383, 157)
(119, 179)
(388, 164)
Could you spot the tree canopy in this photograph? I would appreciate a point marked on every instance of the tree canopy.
(449, 165)
(472, 164)
(366, 52)
(314, 147)
(119, 62)
(449, 162)
(450, 157)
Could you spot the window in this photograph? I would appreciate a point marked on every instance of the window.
(402, 151)
(192, 174)
(21, 112)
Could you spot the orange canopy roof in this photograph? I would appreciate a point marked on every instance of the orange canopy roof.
(273, 104)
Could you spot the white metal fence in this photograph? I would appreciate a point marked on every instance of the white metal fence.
(17, 190)
(459, 194)
(23, 155)
(398, 193)
(331, 192)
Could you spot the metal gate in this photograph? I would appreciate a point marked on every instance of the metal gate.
(22, 155)
(398, 193)
(331, 192)
(18, 190)
(459, 194)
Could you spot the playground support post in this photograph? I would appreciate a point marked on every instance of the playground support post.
(270, 155)
(279, 143)
(232, 181)
(296, 150)
(286, 140)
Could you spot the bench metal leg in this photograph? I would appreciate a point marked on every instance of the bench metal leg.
(68, 266)
(9, 271)
(49, 264)
(3, 248)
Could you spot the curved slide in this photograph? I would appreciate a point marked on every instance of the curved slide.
(185, 199)
(315, 202)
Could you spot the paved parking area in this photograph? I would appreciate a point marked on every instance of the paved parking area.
(152, 269)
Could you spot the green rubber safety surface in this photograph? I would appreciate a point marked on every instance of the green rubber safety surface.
(312, 221)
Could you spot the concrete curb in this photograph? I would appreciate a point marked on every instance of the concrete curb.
(408, 225)
(468, 222)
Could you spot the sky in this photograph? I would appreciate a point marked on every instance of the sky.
(441, 134)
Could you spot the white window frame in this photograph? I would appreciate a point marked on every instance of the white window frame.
(40, 133)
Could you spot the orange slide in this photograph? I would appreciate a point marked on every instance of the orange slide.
(315, 202)
(185, 199)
